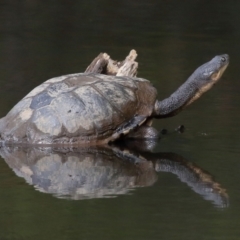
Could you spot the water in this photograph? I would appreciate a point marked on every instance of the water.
(40, 40)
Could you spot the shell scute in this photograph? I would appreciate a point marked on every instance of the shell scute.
(118, 96)
(81, 80)
(63, 78)
(37, 90)
(40, 100)
(14, 124)
(58, 88)
(97, 108)
(70, 109)
(46, 122)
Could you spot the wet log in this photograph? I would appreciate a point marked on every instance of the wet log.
(99, 64)
(105, 65)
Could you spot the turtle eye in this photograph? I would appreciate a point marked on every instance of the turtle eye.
(223, 59)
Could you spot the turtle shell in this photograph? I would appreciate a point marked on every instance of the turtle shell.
(79, 108)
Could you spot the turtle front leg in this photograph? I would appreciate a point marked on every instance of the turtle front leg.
(143, 132)
(142, 139)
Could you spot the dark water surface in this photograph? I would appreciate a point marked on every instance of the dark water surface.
(191, 194)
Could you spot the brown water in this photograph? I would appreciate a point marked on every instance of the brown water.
(191, 194)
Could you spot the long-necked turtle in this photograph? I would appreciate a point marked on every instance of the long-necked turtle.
(93, 108)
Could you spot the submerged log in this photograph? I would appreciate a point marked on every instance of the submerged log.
(105, 65)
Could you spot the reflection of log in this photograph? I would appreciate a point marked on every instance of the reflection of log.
(105, 65)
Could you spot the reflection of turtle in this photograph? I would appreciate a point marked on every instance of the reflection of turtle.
(93, 108)
(103, 172)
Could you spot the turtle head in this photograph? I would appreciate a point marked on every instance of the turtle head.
(208, 74)
(203, 78)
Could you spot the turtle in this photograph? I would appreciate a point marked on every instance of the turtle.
(97, 107)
